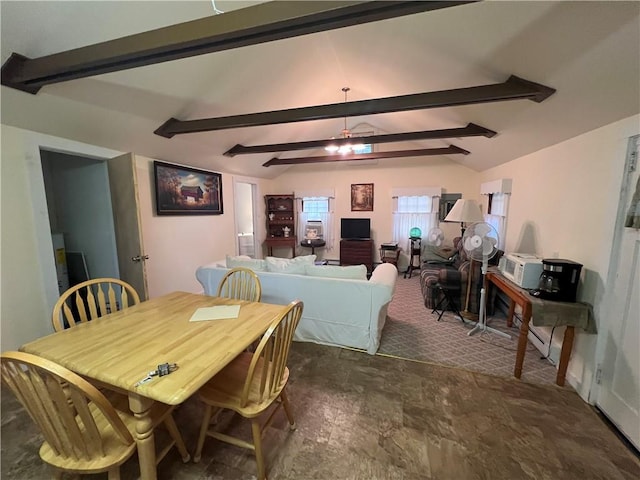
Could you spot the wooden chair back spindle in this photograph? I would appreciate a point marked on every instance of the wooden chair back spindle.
(270, 357)
(81, 429)
(92, 299)
(240, 284)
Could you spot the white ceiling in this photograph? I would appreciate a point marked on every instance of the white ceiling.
(588, 51)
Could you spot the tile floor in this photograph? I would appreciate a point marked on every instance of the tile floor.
(375, 418)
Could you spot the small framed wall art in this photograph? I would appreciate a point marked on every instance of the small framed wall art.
(362, 197)
(184, 190)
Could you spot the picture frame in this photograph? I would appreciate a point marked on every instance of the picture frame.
(362, 197)
(182, 190)
(447, 201)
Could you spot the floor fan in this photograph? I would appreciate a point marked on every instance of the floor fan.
(435, 237)
(480, 242)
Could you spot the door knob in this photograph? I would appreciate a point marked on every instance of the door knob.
(139, 258)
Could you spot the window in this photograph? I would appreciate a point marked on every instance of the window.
(316, 206)
(363, 148)
(498, 193)
(414, 207)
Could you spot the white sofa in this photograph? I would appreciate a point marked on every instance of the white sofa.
(337, 311)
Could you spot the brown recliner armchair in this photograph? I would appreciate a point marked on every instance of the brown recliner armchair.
(452, 275)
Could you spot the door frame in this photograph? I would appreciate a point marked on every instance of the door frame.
(626, 192)
(256, 213)
(42, 227)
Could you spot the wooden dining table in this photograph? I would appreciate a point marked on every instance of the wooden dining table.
(121, 348)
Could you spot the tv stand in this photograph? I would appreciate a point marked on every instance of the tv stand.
(356, 252)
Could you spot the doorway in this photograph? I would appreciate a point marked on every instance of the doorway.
(80, 214)
(245, 194)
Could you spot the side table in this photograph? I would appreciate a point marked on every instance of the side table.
(545, 313)
(415, 254)
(313, 244)
(390, 253)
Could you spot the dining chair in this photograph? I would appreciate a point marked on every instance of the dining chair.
(83, 431)
(92, 299)
(241, 284)
(251, 384)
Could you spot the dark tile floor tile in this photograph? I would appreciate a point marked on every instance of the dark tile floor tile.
(365, 417)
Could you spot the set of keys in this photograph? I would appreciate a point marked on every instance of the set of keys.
(162, 370)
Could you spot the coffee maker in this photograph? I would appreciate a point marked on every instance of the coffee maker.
(558, 280)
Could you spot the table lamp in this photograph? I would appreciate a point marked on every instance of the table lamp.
(464, 211)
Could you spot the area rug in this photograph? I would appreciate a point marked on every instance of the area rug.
(413, 332)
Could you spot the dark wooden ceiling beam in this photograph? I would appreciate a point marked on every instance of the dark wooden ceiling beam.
(253, 25)
(451, 149)
(471, 130)
(514, 88)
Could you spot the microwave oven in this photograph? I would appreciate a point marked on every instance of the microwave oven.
(523, 269)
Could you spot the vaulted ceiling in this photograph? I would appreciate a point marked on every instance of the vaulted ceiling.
(587, 54)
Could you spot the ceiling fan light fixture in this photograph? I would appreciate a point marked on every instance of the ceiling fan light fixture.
(332, 148)
(345, 148)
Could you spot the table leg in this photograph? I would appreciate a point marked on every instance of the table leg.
(522, 340)
(141, 408)
(512, 310)
(565, 353)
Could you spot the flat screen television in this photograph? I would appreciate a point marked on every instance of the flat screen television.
(355, 228)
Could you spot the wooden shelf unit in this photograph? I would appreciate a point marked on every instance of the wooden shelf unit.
(280, 214)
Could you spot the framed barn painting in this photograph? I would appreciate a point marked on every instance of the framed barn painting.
(184, 190)
(362, 197)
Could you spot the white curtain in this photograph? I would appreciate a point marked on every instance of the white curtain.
(316, 212)
(413, 211)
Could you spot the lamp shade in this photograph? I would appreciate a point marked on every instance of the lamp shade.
(467, 211)
(415, 232)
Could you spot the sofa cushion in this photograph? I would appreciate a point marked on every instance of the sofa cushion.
(289, 265)
(353, 272)
(255, 264)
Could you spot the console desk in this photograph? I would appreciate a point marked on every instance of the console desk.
(546, 313)
(281, 242)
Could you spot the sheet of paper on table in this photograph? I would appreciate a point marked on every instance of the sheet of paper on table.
(218, 312)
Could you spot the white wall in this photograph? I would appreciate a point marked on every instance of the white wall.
(432, 172)
(564, 202)
(176, 245)
(29, 283)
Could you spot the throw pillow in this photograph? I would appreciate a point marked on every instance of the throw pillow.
(289, 265)
(351, 272)
(255, 264)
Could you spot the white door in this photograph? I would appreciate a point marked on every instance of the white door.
(619, 392)
(123, 183)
